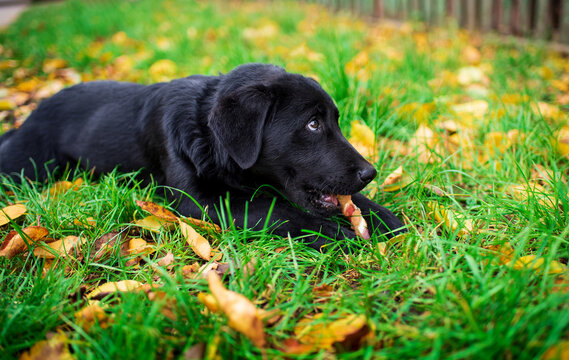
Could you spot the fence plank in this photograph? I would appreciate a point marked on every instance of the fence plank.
(564, 29)
(486, 18)
(543, 20)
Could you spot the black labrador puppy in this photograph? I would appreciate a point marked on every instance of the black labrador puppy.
(215, 138)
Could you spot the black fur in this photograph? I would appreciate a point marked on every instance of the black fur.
(209, 136)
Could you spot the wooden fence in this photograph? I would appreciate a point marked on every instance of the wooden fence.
(541, 19)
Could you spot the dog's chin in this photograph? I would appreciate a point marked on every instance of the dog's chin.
(320, 203)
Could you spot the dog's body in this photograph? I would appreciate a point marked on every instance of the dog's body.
(209, 136)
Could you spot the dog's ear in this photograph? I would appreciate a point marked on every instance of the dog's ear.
(237, 122)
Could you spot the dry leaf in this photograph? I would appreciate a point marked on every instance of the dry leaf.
(538, 264)
(240, 311)
(398, 179)
(348, 331)
(197, 242)
(14, 244)
(11, 212)
(557, 352)
(115, 286)
(54, 348)
(362, 139)
(157, 210)
(209, 301)
(91, 314)
(107, 243)
(562, 141)
(154, 224)
(450, 219)
(69, 245)
(165, 260)
(354, 214)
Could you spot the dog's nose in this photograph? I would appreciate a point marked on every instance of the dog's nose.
(367, 174)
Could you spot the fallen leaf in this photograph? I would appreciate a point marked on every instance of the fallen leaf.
(69, 245)
(559, 351)
(85, 223)
(347, 332)
(91, 314)
(154, 224)
(11, 212)
(107, 243)
(197, 242)
(163, 70)
(532, 262)
(450, 219)
(562, 141)
(14, 244)
(115, 286)
(138, 246)
(165, 260)
(209, 301)
(362, 139)
(398, 179)
(50, 65)
(502, 253)
(240, 311)
(54, 348)
(157, 210)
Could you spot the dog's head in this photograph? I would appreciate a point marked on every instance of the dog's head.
(283, 129)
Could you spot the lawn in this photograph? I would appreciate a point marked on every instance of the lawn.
(470, 137)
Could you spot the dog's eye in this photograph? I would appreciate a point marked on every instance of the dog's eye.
(313, 125)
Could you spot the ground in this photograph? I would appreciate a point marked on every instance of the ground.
(468, 133)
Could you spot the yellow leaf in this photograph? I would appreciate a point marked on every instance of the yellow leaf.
(322, 333)
(64, 247)
(471, 55)
(470, 75)
(424, 143)
(91, 314)
(14, 244)
(563, 141)
(209, 301)
(496, 142)
(138, 246)
(243, 316)
(549, 111)
(197, 242)
(356, 65)
(163, 70)
(54, 348)
(11, 212)
(450, 219)
(50, 65)
(557, 352)
(157, 210)
(532, 262)
(476, 108)
(362, 138)
(154, 224)
(115, 286)
(6, 104)
(398, 179)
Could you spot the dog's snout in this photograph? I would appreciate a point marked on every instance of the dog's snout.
(367, 174)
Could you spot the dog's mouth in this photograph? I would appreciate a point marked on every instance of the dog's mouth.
(323, 200)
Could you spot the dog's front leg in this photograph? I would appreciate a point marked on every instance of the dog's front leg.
(278, 216)
(380, 220)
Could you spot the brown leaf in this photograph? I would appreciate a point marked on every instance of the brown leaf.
(106, 244)
(54, 348)
(11, 212)
(69, 245)
(157, 210)
(348, 332)
(218, 268)
(197, 242)
(91, 314)
(195, 352)
(398, 179)
(165, 260)
(295, 347)
(240, 311)
(14, 244)
(115, 286)
(154, 224)
(559, 351)
(209, 301)
(202, 224)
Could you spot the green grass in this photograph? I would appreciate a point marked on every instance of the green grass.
(434, 296)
